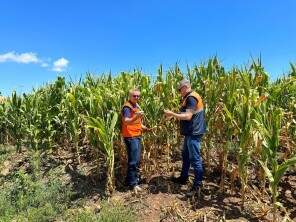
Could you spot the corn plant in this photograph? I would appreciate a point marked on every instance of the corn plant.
(244, 114)
(104, 131)
(70, 107)
(14, 119)
(270, 128)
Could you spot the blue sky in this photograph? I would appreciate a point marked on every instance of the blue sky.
(41, 39)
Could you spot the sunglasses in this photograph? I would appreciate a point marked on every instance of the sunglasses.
(136, 96)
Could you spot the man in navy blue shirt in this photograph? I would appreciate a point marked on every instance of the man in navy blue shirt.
(192, 127)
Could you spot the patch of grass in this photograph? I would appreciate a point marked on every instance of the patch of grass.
(116, 211)
(82, 216)
(5, 151)
(27, 198)
(38, 197)
(110, 212)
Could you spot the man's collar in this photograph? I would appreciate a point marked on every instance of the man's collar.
(187, 94)
(133, 104)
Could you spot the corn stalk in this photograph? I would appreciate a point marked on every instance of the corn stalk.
(104, 131)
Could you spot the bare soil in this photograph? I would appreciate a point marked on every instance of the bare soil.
(161, 199)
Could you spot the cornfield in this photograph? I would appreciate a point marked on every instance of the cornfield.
(251, 121)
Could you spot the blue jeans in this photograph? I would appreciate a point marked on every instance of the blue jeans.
(133, 146)
(191, 155)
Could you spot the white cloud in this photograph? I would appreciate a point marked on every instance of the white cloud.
(28, 57)
(60, 65)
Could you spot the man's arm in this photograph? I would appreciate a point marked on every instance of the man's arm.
(127, 115)
(180, 116)
(190, 107)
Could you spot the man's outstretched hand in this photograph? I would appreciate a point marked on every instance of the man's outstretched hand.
(168, 114)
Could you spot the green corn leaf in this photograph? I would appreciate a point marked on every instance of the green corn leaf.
(267, 172)
(283, 168)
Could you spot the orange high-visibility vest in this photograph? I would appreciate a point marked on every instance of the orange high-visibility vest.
(199, 105)
(133, 129)
(197, 124)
